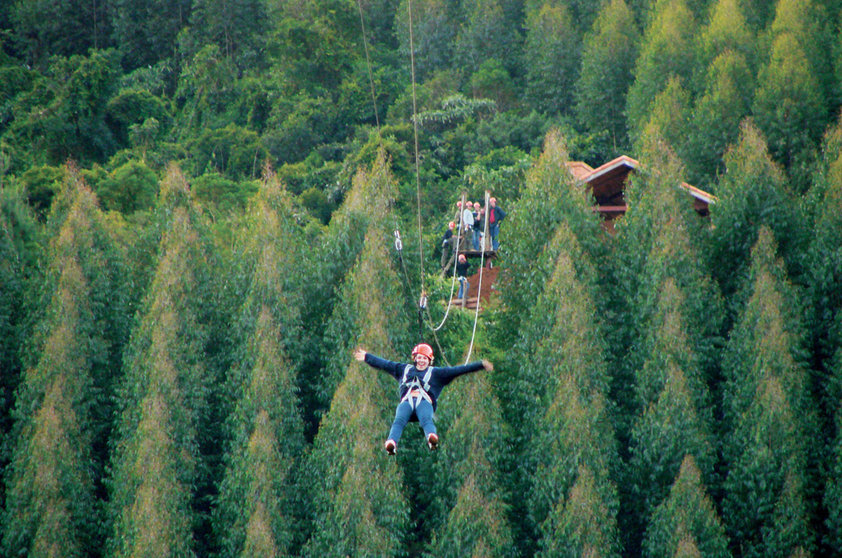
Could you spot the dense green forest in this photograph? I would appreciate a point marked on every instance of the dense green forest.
(198, 201)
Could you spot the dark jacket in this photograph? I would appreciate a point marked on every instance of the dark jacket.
(439, 377)
(462, 268)
(499, 214)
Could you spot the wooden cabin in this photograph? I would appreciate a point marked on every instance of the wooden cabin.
(607, 182)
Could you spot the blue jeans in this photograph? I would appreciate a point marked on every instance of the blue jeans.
(464, 285)
(423, 411)
(493, 231)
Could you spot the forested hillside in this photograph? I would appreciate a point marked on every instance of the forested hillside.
(198, 201)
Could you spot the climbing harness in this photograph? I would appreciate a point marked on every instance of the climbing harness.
(416, 389)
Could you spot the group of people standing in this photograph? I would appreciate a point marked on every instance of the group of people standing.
(472, 218)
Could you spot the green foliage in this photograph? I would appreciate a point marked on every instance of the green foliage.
(20, 245)
(238, 28)
(267, 437)
(215, 190)
(727, 31)
(435, 25)
(130, 108)
(608, 55)
(551, 195)
(608, 348)
(43, 28)
(770, 414)
(40, 185)
(485, 34)
(584, 525)
(824, 273)
(492, 81)
(687, 512)
(63, 407)
(165, 394)
(662, 56)
(315, 43)
(789, 105)
(668, 118)
(129, 188)
(717, 115)
(833, 494)
(69, 122)
(355, 498)
(552, 59)
(231, 151)
(752, 193)
(468, 513)
(145, 33)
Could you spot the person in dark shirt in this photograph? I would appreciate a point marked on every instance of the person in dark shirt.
(421, 384)
(462, 266)
(495, 215)
(448, 248)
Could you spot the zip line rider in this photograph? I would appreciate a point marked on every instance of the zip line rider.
(420, 387)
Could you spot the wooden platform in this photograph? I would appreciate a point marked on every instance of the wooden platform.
(489, 280)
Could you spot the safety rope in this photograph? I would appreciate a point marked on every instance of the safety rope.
(479, 287)
(453, 276)
(417, 157)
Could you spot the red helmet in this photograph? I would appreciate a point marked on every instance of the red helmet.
(423, 349)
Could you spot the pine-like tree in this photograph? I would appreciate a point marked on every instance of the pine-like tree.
(790, 106)
(585, 524)
(663, 55)
(727, 31)
(655, 245)
(356, 501)
(156, 461)
(20, 243)
(668, 118)
(687, 514)
(752, 193)
(769, 415)
(469, 513)
(609, 51)
(551, 57)
(374, 276)
(265, 426)
(823, 274)
(63, 404)
(339, 249)
(552, 192)
(715, 124)
(257, 503)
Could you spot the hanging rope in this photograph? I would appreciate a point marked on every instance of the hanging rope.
(453, 276)
(479, 287)
(417, 157)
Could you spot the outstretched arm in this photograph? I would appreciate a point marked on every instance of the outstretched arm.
(449, 373)
(392, 368)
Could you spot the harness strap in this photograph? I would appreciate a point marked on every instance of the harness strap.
(417, 387)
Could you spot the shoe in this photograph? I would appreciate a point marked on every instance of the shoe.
(433, 441)
(391, 447)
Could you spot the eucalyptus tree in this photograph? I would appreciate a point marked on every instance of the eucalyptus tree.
(64, 401)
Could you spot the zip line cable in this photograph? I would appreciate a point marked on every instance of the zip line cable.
(422, 303)
(417, 157)
(368, 64)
